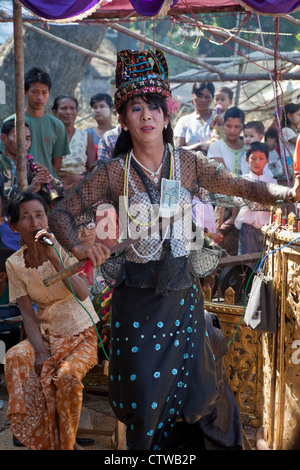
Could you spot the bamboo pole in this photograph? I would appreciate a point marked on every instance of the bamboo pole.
(230, 77)
(154, 44)
(19, 93)
(180, 55)
(291, 19)
(63, 42)
(217, 75)
(128, 32)
(249, 45)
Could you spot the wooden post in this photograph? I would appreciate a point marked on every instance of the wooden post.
(19, 91)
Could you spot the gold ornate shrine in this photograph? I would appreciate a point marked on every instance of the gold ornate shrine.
(243, 359)
(281, 351)
(264, 368)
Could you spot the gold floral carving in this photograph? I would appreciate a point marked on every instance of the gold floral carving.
(243, 359)
(281, 351)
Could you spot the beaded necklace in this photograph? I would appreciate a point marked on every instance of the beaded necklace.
(126, 181)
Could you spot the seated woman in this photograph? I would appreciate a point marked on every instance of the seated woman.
(44, 373)
(76, 164)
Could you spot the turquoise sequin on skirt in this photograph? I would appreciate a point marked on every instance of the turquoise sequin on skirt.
(161, 364)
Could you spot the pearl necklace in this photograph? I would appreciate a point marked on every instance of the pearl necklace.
(154, 174)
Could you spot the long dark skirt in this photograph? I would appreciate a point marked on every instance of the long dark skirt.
(161, 366)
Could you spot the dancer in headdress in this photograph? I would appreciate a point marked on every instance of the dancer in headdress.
(163, 368)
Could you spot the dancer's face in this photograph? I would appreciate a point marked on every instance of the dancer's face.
(145, 121)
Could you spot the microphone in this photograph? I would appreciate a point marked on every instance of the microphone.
(43, 239)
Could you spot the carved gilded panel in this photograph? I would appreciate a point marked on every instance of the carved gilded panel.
(243, 359)
(281, 352)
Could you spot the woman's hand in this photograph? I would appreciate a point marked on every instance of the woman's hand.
(40, 178)
(78, 285)
(32, 329)
(44, 247)
(217, 237)
(40, 359)
(97, 253)
(219, 119)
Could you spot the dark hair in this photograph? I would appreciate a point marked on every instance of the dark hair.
(202, 86)
(290, 108)
(13, 207)
(272, 133)
(37, 75)
(257, 125)
(102, 97)
(58, 99)
(8, 125)
(258, 147)
(235, 113)
(4, 254)
(124, 141)
(228, 91)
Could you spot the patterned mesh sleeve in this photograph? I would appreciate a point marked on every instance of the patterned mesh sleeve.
(199, 175)
(213, 183)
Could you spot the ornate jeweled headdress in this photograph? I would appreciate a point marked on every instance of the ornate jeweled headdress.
(135, 75)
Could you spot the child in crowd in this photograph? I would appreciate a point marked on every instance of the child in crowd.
(272, 141)
(192, 131)
(203, 216)
(249, 222)
(102, 111)
(229, 152)
(254, 131)
(222, 100)
(290, 125)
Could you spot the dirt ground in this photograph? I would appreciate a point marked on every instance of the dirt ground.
(97, 422)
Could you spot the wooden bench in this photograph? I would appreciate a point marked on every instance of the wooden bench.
(96, 383)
